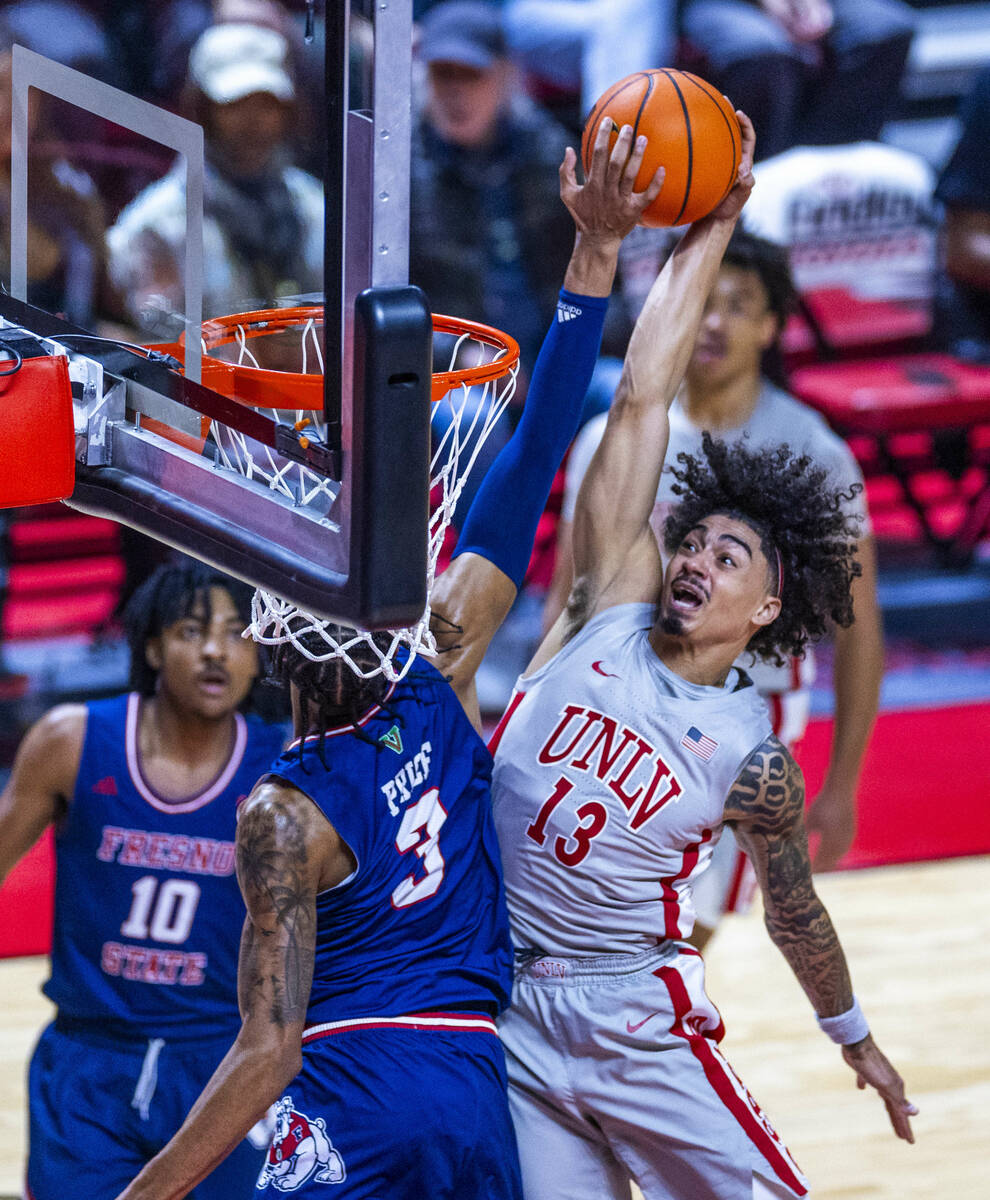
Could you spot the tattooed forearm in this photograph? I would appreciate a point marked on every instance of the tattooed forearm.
(277, 947)
(766, 807)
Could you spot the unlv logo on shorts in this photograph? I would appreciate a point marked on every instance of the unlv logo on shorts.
(300, 1150)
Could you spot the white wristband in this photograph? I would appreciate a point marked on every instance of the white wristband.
(848, 1027)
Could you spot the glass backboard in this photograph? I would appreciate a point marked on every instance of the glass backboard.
(168, 178)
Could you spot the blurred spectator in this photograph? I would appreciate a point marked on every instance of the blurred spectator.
(584, 46)
(306, 36)
(66, 262)
(964, 189)
(150, 43)
(807, 72)
(131, 44)
(70, 31)
(262, 218)
(486, 241)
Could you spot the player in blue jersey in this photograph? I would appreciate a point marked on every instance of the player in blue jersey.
(376, 951)
(142, 790)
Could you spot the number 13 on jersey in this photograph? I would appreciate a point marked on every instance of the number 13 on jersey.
(592, 818)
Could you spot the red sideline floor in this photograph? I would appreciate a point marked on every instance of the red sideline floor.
(925, 789)
(925, 794)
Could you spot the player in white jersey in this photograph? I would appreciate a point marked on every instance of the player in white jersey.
(631, 740)
(728, 392)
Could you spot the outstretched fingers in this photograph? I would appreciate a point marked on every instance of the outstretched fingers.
(645, 198)
(739, 193)
(618, 161)
(607, 206)
(600, 150)
(745, 176)
(872, 1068)
(630, 169)
(568, 174)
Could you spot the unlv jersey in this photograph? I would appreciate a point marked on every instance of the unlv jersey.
(147, 906)
(421, 925)
(611, 774)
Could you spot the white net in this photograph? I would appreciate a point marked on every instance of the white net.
(461, 422)
(253, 459)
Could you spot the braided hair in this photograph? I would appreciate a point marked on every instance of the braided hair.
(787, 500)
(330, 692)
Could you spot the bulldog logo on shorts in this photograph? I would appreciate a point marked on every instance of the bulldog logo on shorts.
(300, 1150)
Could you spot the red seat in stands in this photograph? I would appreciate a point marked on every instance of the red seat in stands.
(64, 573)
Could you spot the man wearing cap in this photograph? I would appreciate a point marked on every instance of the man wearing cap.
(486, 239)
(262, 217)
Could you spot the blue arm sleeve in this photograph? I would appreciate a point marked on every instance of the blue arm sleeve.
(501, 523)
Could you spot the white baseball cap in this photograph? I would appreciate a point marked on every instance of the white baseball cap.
(234, 60)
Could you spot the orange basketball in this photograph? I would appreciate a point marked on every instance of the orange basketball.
(692, 132)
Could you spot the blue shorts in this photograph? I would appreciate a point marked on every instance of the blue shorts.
(101, 1107)
(396, 1113)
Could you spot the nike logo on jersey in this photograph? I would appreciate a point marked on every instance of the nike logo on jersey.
(631, 1028)
(567, 312)
(597, 666)
(107, 786)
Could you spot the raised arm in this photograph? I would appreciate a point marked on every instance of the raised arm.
(286, 853)
(766, 809)
(41, 782)
(471, 599)
(616, 559)
(858, 674)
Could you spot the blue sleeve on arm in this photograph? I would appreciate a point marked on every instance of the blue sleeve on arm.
(501, 523)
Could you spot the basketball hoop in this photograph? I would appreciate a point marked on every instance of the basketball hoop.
(272, 360)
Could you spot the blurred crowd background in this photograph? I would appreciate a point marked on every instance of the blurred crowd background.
(872, 172)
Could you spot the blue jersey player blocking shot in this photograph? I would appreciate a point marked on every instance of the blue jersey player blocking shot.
(142, 790)
(376, 952)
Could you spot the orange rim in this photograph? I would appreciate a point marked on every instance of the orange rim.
(443, 381)
(261, 387)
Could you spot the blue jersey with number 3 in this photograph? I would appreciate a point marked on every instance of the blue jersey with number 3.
(421, 924)
(148, 913)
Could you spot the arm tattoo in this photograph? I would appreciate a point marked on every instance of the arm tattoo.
(766, 808)
(278, 943)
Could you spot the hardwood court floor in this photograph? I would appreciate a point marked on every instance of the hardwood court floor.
(917, 939)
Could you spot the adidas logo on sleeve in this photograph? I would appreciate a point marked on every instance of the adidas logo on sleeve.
(567, 312)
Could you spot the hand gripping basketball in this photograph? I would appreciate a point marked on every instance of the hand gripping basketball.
(606, 206)
(691, 131)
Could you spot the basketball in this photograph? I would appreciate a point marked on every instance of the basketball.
(693, 133)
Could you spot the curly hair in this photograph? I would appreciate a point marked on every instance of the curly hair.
(330, 692)
(789, 502)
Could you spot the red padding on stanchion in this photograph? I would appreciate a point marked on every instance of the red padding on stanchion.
(38, 447)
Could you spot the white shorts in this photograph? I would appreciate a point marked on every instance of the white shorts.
(615, 1074)
(729, 883)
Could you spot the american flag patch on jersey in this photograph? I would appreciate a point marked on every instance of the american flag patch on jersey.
(699, 743)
